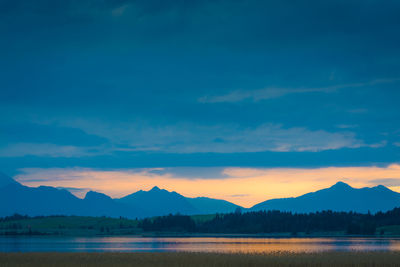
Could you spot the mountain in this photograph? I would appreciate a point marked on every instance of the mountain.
(98, 204)
(205, 205)
(46, 200)
(339, 197)
(5, 180)
(43, 200)
(162, 202)
(158, 202)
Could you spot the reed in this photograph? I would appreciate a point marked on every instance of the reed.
(354, 259)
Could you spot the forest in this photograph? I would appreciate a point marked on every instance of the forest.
(276, 222)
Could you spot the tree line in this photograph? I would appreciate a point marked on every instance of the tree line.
(260, 222)
(276, 222)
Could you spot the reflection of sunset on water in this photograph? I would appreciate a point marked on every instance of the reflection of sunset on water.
(198, 244)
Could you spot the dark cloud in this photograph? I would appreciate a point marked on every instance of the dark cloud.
(36, 133)
(383, 156)
(128, 75)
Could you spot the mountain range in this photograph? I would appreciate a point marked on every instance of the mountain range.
(339, 197)
(45, 200)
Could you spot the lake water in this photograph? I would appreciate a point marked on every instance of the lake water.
(195, 244)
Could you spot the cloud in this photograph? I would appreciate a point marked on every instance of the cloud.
(358, 111)
(391, 182)
(191, 172)
(38, 175)
(190, 44)
(28, 132)
(225, 138)
(79, 192)
(244, 186)
(240, 195)
(270, 93)
(256, 95)
(347, 126)
(48, 140)
(46, 150)
(119, 11)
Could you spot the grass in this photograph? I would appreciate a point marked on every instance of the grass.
(390, 230)
(78, 225)
(354, 259)
(71, 225)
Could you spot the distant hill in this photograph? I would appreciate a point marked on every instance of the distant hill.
(43, 200)
(98, 204)
(158, 202)
(162, 202)
(46, 200)
(339, 197)
(205, 205)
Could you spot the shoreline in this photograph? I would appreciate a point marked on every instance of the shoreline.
(204, 235)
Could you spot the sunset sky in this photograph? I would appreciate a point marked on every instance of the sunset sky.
(238, 100)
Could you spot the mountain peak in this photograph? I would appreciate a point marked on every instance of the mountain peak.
(341, 185)
(93, 195)
(382, 187)
(155, 188)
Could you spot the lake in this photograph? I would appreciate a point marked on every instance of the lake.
(195, 244)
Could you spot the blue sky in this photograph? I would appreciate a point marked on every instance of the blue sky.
(146, 84)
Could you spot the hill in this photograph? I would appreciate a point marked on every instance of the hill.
(339, 197)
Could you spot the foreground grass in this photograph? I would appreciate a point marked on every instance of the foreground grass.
(354, 259)
(71, 225)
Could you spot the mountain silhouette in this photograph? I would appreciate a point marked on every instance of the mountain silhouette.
(5, 180)
(158, 202)
(46, 200)
(99, 204)
(205, 205)
(42, 200)
(162, 202)
(339, 197)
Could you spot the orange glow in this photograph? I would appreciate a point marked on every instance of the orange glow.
(243, 186)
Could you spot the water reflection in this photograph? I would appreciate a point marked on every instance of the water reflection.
(197, 244)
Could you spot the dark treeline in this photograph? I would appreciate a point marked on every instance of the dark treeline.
(170, 223)
(276, 222)
(259, 222)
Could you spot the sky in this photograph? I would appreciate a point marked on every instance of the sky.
(239, 100)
